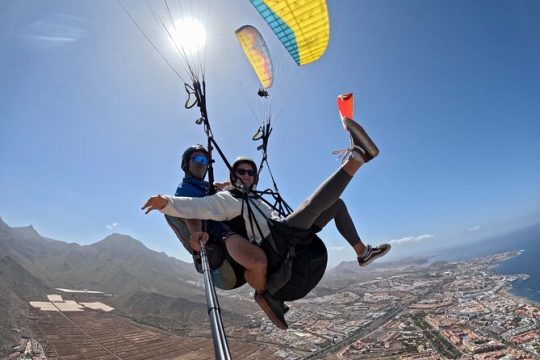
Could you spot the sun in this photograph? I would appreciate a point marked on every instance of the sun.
(189, 35)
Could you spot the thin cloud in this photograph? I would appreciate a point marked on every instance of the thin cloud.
(474, 228)
(411, 239)
(56, 30)
(111, 226)
(58, 39)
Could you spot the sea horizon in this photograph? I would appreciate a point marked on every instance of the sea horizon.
(527, 241)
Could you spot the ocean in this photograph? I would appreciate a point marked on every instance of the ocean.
(528, 262)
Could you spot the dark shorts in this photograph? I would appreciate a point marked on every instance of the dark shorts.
(219, 258)
(226, 273)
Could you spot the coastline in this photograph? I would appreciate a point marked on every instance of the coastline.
(509, 289)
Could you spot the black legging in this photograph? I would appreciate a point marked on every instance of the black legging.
(338, 211)
(324, 202)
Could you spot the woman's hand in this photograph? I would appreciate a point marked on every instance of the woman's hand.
(156, 202)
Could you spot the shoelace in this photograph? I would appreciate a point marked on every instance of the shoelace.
(342, 154)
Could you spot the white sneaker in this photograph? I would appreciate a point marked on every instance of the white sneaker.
(373, 253)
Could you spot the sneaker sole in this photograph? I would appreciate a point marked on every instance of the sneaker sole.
(381, 254)
(270, 313)
(359, 133)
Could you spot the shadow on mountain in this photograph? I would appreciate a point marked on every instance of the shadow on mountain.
(143, 284)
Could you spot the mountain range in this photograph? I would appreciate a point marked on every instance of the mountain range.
(145, 285)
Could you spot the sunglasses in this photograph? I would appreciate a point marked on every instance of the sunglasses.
(200, 159)
(245, 171)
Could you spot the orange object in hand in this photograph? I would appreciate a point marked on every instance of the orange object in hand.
(345, 105)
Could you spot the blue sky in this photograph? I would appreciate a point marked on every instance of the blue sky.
(92, 119)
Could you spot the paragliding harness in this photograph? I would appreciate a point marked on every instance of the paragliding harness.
(226, 272)
(296, 258)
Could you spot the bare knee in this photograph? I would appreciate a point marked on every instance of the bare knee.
(248, 255)
(256, 262)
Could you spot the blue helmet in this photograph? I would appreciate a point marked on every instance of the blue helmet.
(186, 156)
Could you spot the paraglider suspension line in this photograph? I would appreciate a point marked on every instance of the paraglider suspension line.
(280, 204)
(198, 90)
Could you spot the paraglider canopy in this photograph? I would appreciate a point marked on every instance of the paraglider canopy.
(302, 26)
(258, 55)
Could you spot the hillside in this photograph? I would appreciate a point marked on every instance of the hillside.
(144, 284)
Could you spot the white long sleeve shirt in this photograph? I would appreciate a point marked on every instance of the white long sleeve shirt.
(223, 206)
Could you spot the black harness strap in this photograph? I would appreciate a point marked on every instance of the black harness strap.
(246, 200)
(270, 239)
(199, 92)
(280, 205)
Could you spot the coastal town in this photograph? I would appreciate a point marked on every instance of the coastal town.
(449, 311)
(443, 310)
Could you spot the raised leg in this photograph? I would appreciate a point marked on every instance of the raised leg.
(362, 150)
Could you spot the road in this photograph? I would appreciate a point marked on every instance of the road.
(376, 324)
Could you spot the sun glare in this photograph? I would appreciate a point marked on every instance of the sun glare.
(189, 35)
